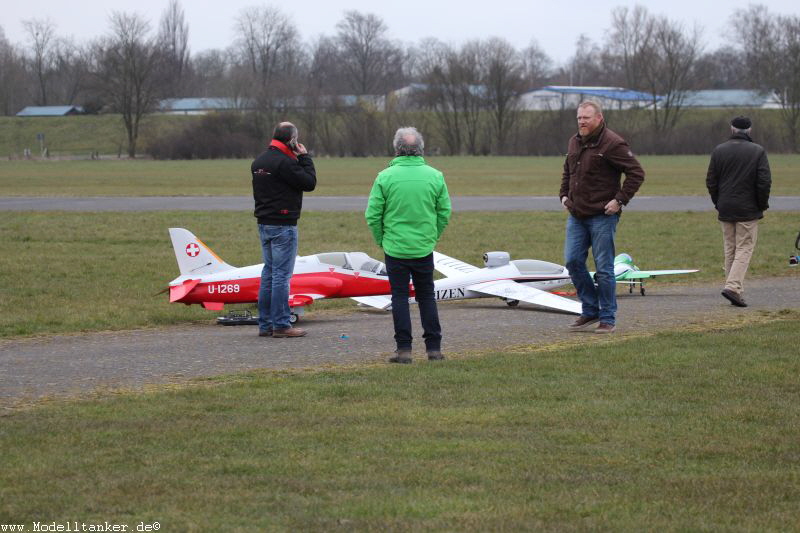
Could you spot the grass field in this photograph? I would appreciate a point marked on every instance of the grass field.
(681, 431)
(66, 272)
(512, 176)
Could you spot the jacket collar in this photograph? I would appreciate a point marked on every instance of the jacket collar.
(743, 136)
(407, 160)
(283, 148)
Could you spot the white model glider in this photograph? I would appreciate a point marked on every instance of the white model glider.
(521, 280)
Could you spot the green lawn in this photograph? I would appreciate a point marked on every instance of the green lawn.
(66, 272)
(681, 431)
(510, 176)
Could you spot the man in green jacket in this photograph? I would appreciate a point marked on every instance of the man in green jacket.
(408, 209)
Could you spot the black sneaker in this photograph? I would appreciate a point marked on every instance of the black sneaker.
(401, 356)
(265, 333)
(735, 298)
(435, 355)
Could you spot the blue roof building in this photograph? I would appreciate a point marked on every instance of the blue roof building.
(732, 98)
(50, 111)
(201, 106)
(557, 97)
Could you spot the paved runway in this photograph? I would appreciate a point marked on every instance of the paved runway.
(348, 203)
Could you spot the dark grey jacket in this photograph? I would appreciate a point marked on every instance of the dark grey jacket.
(739, 179)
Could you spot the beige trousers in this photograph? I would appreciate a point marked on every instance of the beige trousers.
(739, 239)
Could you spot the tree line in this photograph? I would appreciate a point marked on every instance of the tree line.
(467, 94)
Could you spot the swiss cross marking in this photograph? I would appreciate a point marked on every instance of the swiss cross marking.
(192, 250)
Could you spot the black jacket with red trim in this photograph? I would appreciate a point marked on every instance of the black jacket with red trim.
(278, 184)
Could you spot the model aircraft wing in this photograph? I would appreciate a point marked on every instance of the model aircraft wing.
(514, 291)
(379, 302)
(450, 266)
(644, 274)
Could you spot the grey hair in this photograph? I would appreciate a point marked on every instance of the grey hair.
(408, 141)
(592, 103)
(734, 131)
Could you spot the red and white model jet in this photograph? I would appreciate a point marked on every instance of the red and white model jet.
(211, 282)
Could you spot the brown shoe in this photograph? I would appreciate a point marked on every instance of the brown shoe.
(605, 328)
(734, 297)
(583, 323)
(401, 356)
(288, 332)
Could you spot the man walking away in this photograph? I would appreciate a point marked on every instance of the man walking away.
(739, 181)
(591, 192)
(407, 211)
(280, 175)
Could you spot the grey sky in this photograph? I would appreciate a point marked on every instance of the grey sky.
(555, 25)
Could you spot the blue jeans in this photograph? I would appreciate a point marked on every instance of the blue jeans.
(598, 233)
(279, 246)
(421, 272)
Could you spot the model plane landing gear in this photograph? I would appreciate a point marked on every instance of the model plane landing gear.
(512, 303)
(238, 318)
(295, 313)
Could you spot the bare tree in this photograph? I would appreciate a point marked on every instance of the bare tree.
(503, 80)
(772, 58)
(439, 71)
(657, 56)
(269, 48)
(720, 69)
(536, 66)
(173, 40)
(266, 40)
(41, 35)
(372, 62)
(70, 72)
(585, 67)
(12, 77)
(126, 68)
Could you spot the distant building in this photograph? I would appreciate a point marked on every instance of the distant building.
(558, 97)
(51, 111)
(732, 98)
(202, 106)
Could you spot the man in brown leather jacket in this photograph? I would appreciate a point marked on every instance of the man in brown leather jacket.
(592, 193)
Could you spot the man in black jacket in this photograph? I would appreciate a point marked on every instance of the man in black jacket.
(739, 181)
(280, 175)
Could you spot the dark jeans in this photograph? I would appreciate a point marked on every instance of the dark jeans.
(421, 272)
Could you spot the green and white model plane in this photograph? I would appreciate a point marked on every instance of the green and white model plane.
(626, 272)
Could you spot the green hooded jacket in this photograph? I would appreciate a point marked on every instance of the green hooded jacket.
(408, 208)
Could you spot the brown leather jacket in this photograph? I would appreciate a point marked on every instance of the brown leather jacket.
(592, 172)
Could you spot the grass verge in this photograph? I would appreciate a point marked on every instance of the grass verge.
(675, 431)
(493, 176)
(69, 272)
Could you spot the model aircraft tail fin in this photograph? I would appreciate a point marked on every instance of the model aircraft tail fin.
(194, 257)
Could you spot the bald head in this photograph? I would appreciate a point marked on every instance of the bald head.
(285, 132)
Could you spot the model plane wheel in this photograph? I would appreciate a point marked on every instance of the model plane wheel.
(512, 303)
(293, 318)
(641, 289)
